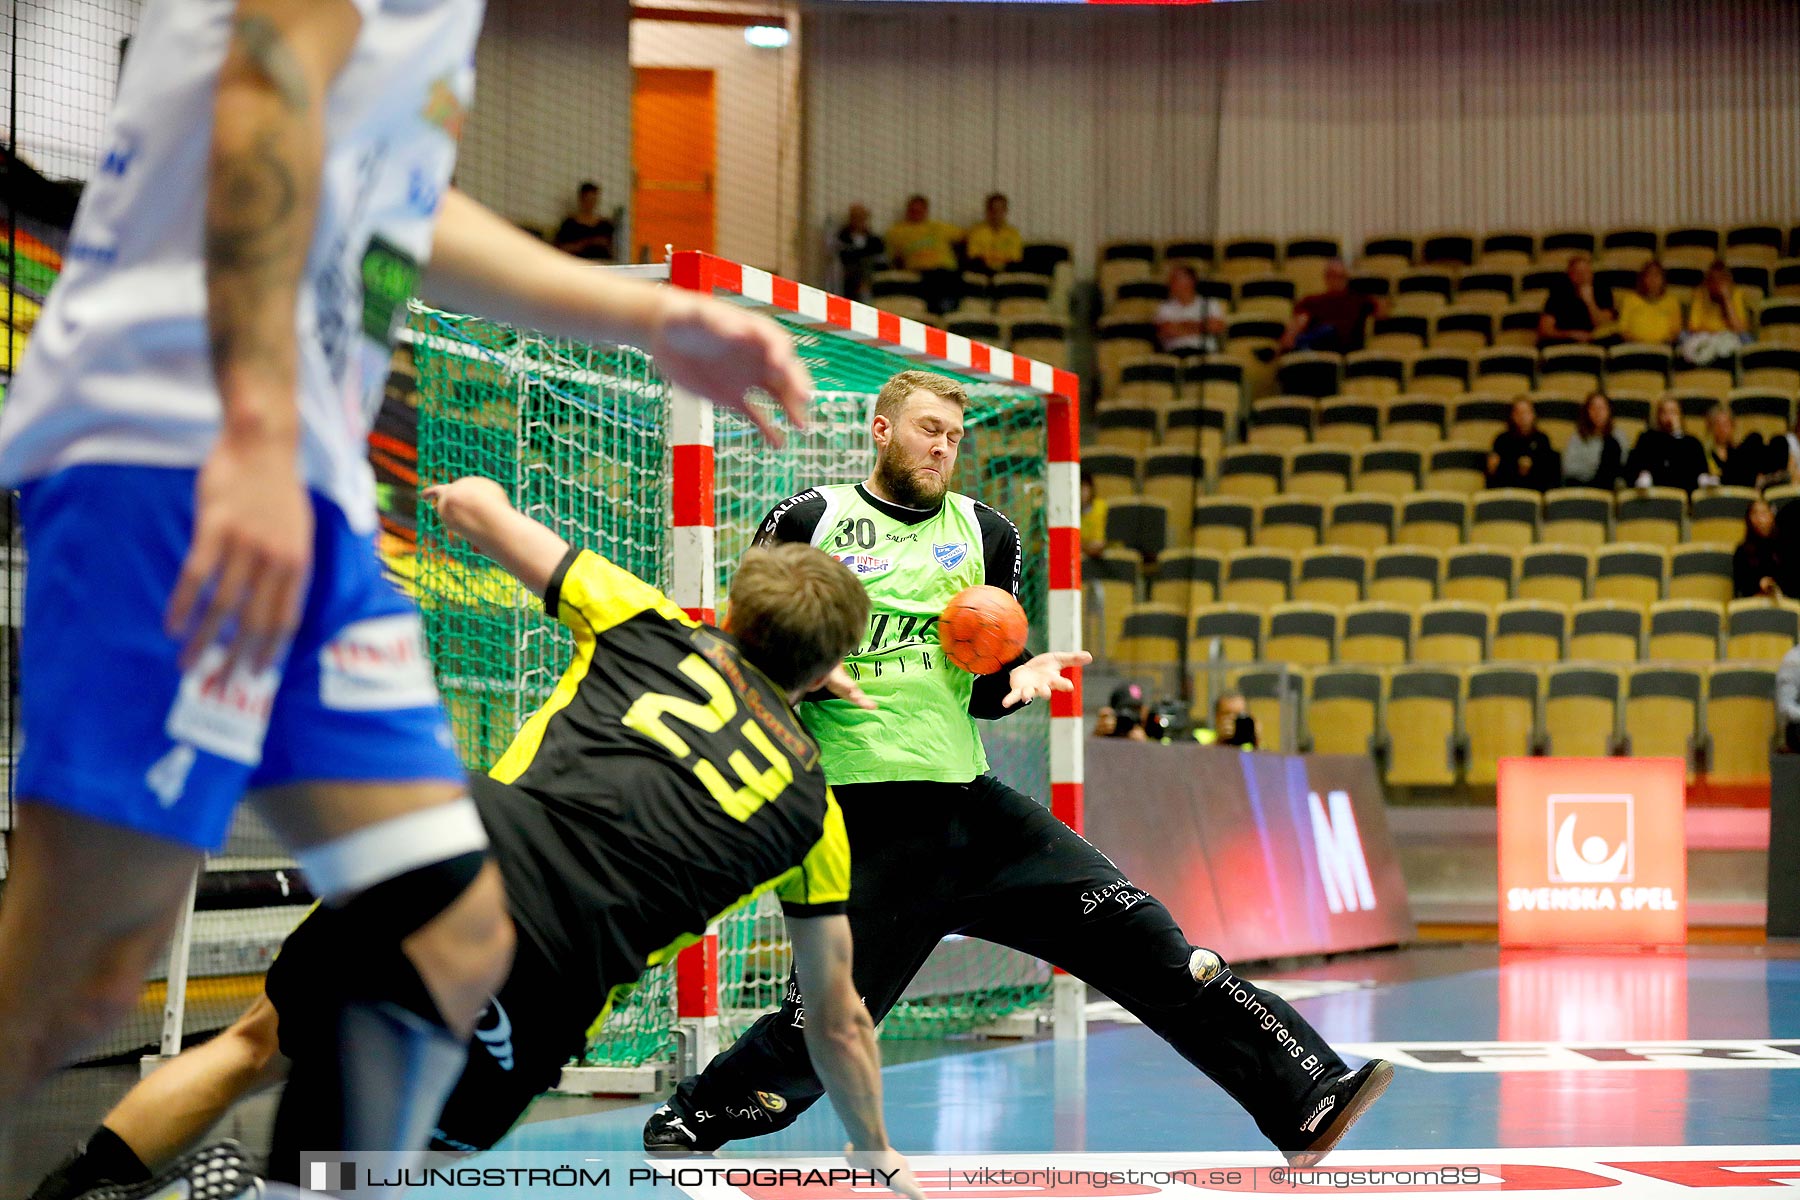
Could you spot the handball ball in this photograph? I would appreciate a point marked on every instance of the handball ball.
(983, 629)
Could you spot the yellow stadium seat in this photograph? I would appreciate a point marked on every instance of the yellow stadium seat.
(1504, 516)
(1250, 471)
(1507, 249)
(1138, 523)
(1415, 420)
(1505, 371)
(1376, 633)
(1421, 726)
(1289, 522)
(1280, 422)
(1663, 712)
(1388, 469)
(1223, 522)
(1432, 519)
(1478, 418)
(1175, 476)
(1360, 519)
(1230, 632)
(1335, 575)
(1530, 631)
(1202, 427)
(1761, 630)
(1685, 631)
(1348, 421)
(1740, 723)
(1606, 631)
(1114, 577)
(1632, 574)
(1441, 372)
(1322, 471)
(1451, 631)
(1653, 515)
(1301, 634)
(1577, 516)
(1581, 709)
(1405, 575)
(1374, 373)
(1343, 710)
(1150, 641)
(1186, 578)
(1457, 467)
(1480, 574)
(1499, 718)
(1700, 572)
(1115, 472)
(1556, 574)
(1257, 577)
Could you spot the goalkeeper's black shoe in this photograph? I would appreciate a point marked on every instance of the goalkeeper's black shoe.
(670, 1130)
(216, 1172)
(1337, 1110)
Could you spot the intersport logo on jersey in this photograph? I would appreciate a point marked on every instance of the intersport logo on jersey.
(1593, 850)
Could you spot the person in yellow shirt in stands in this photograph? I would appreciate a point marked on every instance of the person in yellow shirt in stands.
(918, 243)
(1650, 315)
(1718, 319)
(994, 246)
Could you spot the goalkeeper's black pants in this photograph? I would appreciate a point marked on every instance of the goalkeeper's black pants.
(980, 859)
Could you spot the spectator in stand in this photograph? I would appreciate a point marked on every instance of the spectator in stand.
(1651, 315)
(585, 233)
(994, 246)
(1331, 320)
(1227, 710)
(1093, 518)
(1186, 324)
(1718, 319)
(860, 251)
(1576, 310)
(1787, 697)
(1665, 456)
(1595, 455)
(1522, 456)
(1125, 715)
(1756, 563)
(918, 243)
(1729, 461)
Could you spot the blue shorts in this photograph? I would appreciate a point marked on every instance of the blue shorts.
(113, 730)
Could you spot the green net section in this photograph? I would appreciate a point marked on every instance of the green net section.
(577, 434)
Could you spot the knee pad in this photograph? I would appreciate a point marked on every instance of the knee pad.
(389, 880)
(1205, 965)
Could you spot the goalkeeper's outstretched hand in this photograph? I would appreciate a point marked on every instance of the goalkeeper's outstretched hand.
(901, 1180)
(839, 684)
(1036, 679)
(720, 353)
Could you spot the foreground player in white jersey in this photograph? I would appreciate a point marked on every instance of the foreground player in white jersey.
(205, 616)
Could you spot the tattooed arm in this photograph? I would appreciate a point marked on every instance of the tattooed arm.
(253, 522)
(481, 263)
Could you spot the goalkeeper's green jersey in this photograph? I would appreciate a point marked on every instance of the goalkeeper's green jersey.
(912, 561)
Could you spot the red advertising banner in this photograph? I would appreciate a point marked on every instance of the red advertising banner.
(1593, 851)
(1256, 855)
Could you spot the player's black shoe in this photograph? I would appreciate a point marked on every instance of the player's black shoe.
(671, 1131)
(216, 1172)
(1331, 1118)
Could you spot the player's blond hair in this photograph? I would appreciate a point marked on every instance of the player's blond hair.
(895, 392)
(796, 611)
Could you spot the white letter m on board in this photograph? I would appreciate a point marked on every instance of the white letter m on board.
(1339, 847)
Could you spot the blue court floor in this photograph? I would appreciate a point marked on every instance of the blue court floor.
(1665, 1051)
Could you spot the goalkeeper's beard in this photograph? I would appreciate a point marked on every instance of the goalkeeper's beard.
(908, 484)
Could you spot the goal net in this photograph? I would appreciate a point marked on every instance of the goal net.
(583, 437)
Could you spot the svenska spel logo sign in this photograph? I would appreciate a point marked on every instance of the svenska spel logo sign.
(1590, 838)
(1593, 851)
